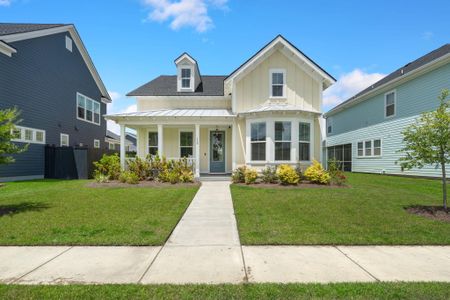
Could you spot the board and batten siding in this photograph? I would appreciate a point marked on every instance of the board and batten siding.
(391, 142)
(301, 89)
(42, 80)
(173, 102)
(413, 97)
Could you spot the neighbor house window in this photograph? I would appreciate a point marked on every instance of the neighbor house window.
(64, 140)
(186, 144)
(111, 146)
(88, 109)
(185, 78)
(258, 141)
(153, 143)
(369, 148)
(28, 135)
(277, 83)
(283, 141)
(96, 143)
(304, 138)
(389, 104)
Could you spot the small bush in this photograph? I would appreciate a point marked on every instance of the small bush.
(269, 175)
(337, 176)
(140, 167)
(108, 165)
(317, 174)
(129, 177)
(287, 175)
(100, 178)
(186, 176)
(250, 176)
(238, 175)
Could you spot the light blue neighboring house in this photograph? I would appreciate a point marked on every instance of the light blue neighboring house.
(364, 132)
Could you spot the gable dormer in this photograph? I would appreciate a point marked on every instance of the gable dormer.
(188, 73)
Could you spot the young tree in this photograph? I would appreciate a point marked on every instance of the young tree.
(8, 117)
(427, 141)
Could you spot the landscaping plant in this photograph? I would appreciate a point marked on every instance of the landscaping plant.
(128, 177)
(238, 175)
(8, 119)
(140, 167)
(337, 176)
(101, 178)
(317, 174)
(287, 175)
(250, 176)
(427, 141)
(108, 165)
(269, 175)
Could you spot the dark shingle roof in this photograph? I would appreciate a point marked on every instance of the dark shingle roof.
(12, 28)
(411, 66)
(166, 85)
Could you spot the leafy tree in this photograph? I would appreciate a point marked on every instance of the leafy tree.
(427, 141)
(8, 119)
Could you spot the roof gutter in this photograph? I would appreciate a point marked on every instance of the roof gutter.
(7, 49)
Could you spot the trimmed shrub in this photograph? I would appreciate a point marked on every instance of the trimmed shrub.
(250, 176)
(317, 174)
(269, 175)
(128, 177)
(100, 178)
(108, 165)
(287, 175)
(238, 175)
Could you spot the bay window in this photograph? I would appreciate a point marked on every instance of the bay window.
(258, 141)
(283, 141)
(304, 141)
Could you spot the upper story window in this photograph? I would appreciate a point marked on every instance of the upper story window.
(390, 104)
(277, 83)
(258, 141)
(186, 78)
(329, 125)
(28, 135)
(69, 43)
(283, 141)
(87, 109)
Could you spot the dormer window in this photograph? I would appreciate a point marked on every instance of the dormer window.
(185, 78)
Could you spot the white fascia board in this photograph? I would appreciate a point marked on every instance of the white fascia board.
(185, 56)
(7, 49)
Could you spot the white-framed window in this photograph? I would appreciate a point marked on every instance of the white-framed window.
(186, 78)
(28, 135)
(111, 146)
(186, 143)
(390, 101)
(87, 109)
(64, 140)
(304, 141)
(96, 143)
(329, 125)
(277, 83)
(369, 148)
(258, 135)
(152, 142)
(283, 141)
(68, 43)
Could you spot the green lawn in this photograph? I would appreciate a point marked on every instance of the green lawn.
(52, 212)
(370, 212)
(248, 291)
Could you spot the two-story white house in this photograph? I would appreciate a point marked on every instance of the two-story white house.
(265, 112)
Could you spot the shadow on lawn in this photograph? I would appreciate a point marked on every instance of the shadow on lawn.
(13, 209)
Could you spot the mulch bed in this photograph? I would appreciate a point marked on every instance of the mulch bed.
(303, 185)
(431, 212)
(141, 184)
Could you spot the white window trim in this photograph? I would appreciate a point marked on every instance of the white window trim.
(305, 141)
(259, 142)
(111, 146)
(33, 140)
(271, 71)
(282, 141)
(395, 104)
(191, 85)
(372, 151)
(96, 143)
(147, 147)
(179, 142)
(61, 135)
(329, 123)
(85, 109)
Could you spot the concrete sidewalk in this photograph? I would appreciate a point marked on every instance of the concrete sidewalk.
(204, 248)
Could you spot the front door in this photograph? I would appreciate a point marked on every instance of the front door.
(217, 152)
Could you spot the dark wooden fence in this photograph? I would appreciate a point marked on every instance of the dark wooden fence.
(71, 162)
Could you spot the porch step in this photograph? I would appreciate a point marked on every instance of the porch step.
(208, 177)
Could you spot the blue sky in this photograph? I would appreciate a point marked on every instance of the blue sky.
(133, 41)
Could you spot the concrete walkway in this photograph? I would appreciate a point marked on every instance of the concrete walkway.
(204, 248)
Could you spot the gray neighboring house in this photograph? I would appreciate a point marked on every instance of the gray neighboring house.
(364, 132)
(113, 141)
(47, 73)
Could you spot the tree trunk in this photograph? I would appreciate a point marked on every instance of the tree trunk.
(444, 186)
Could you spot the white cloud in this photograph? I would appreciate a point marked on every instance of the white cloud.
(348, 85)
(114, 107)
(5, 2)
(113, 126)
(184, 13)
(427, 35)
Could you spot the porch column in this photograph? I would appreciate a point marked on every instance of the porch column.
(197, 150)
(160, 140)
(233, 145)
(122, 146)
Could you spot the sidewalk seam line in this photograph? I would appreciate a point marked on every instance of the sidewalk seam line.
(361, 267)
(41, 265)
(149, 266)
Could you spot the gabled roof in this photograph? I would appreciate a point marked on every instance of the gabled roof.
(12, 32)
(166, 85)
(280, 40)
(112, 135)
(185, 55)
(403, 72)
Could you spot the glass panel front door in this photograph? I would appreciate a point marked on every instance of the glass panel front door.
(217, 152)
